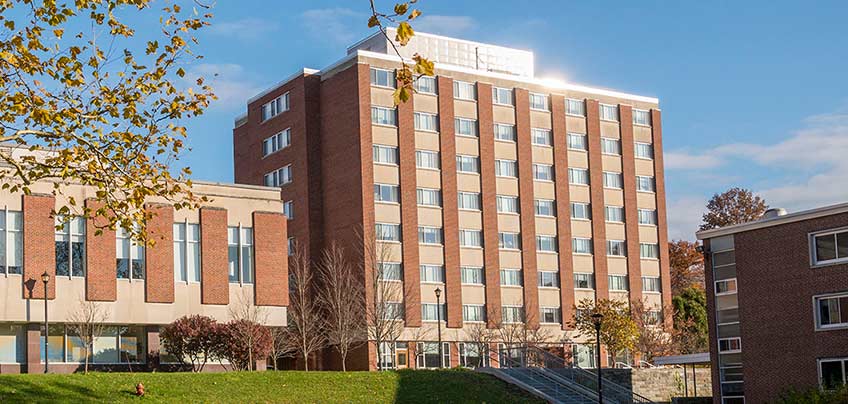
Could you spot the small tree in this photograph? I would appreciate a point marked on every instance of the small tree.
(342, 297)
(480, 335)
(734, 206)
(279, 345)
(87, 324)
(304, 334)
(691, 331)
(653, 340)
(618, 330)
(192, 337)
(242, 341)
(686, 265)
(385, 320)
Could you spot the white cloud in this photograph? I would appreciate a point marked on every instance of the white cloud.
(684, 217)
(230, 82)
(680, 160)
(246, 28)
(448, 25)
(334, 24)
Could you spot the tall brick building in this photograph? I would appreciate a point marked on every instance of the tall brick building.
(210, 261)
(516, 196)
(777, 299)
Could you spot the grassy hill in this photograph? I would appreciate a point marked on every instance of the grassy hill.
(408, 386)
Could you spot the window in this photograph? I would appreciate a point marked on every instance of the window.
(465, 127)
(644, 184)
(545, 207)
(584, 355)
(577, 141)
(616, 248)
(429, 197)
(470, 238)
(425, 85)
(648, 216)
(429, 235)
(275, 107)
(575, 107)
(390, 271)
(506, 168)
(511, 277)
(541, 137)
(432, 312)
(427, 159)
(650, 284)
(644, 151)
(502, 96)
(583, 281)
(427, 354)
(291, 245)
(512, 314)
(392, 311)
(469, 200)
(240, 241)
(610, 146)
(473, 313)
(581, 245)
(276, 142)
(385, 154)
(613, 180)
(383, 116)
(614, 214)
(279, 177)
(472, 275)
(115, 344)
(543, 172)
(11, 242)
(578, 176)
(386, 193)
(550, 315)
(426, 122)
(725, 287)
(548, 279)
(432, 273)
(641, 117)
(509, 241)
(834, 373)
(539, 101)
(473, 355)
(70, 246)
(387, 231)
(464, 91)
(288, 209)
(468, 164)
(507, 204)
(382, 78)
(830, 247)
(187, 265)
(505, 132)
(580, 211)
(618, 282)
(730, 345)
(546, 244)
(609, 112)
(387, 355)
(653, 317)
(129, 255)
(832, 310)
(648, 250)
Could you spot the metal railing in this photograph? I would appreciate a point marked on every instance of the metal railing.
(519, 361)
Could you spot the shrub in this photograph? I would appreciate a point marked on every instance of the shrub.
(192, 337)
(241, 342)
(814, 395)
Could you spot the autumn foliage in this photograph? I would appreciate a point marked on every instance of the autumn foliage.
(195, 340)
(686, 265)
(734, 206)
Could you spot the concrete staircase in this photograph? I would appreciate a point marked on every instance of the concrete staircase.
(543, 384)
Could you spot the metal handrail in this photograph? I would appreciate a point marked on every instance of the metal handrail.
(538, 375)
(622, 365)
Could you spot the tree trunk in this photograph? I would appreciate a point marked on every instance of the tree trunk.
(343, 354)
(305, 361)
(85, 371)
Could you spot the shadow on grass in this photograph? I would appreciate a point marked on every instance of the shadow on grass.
(456, 386)
(32, 390)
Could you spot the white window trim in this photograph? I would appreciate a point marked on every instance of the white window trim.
(814, 262)
(285, 96)
(438, 157)
(385, 125)
(615, 221)
(718, 345)
(456, 97)
(518, 237)
(475, 247)
(391, 73)
(383, 163)
(505, 140)
(546, 96)
(4, 233)
(836, 359)
(642, 124)
(586, 150)
(428, 114)
(715, 287)
(548, 322)
(654, 180)
(638, 157)
(613, 139)
(580, 101)
(621, 175)
(200, 246)
(576, 183)
(431, 227)
(583, 238)
(441, 201)
(817, 321)
(556, 244)
(591, 276)
(624, 242)
(388, 202)
(617, 110)
(473, 158)
(494, 102)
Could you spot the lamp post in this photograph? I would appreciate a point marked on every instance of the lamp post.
(596, 319)
(45, 278)
(439, 325)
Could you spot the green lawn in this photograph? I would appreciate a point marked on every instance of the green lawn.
(408, 386)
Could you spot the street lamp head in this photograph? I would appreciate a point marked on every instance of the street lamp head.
(438, 292)
(45, 277)
(596, 319)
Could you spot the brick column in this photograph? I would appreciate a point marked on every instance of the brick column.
(662, 222)
(596, 183)
(33, 348)
(450, 215)
(526, 201)
(271, 259)
(214, 278)
(563, 206)
(631, 211)
(101, 273)
(409, 213)
(159, 285)
(488, 191)
(153, 347)
(39, 246)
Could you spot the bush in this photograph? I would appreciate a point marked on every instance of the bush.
(192, 337)
(814, 396)
(242, 342)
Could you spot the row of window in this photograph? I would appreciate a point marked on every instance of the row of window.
(471, 355)
(275, 107)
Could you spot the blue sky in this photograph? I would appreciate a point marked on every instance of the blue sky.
(754, 93)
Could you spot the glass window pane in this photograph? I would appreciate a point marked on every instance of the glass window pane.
(56, 344)
(826, 247)
(842, 245)
(132, 345)
(105, 347)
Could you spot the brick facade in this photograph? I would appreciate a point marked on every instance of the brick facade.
(214, 279)
(662, 221)
(488, 194)
(39, 246)
(631, 211)
(409, 211)
(563, 209)
(159, 283)
(271, 259)
(450, 217)
(101, 282)
(596, 183)
(527, 207)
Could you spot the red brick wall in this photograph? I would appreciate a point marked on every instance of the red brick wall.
(409, 213)
(214, 278)
(39, 246)
(159, 283)
(711, 318)
(631, 211)
(563, 202)
(101, 282)
(662, 222)
(271, 259)
(596, 182)
(450, 216)
(527, 206)
(488, 188)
